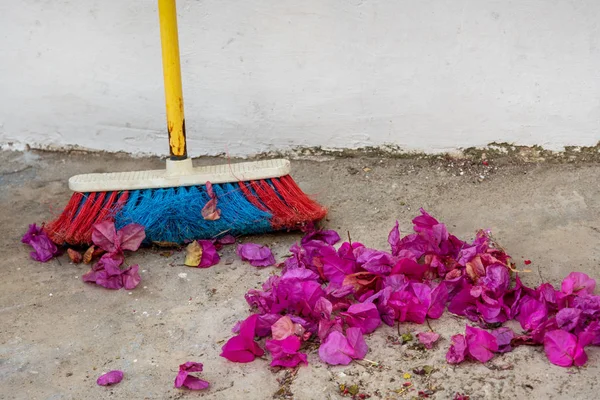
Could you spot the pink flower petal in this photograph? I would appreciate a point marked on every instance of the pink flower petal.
(394, 239)
(458, 350)
(364, 316)
(428, 338)
(210, 256)
(481, 345)
(242, 348)
(131, 236)
(283, 328)
(336, 350)
(563, 349)
(357, 341)
(257, 255)
(285, 352)
(183, 378)
(110, 378)
(104, 235)
(131, 277)
(43, 248)
(578, 283)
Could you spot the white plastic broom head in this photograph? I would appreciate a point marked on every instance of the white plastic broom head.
(179, 173)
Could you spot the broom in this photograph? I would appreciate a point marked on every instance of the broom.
(182, 202)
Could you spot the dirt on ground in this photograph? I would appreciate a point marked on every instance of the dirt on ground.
(58, 334)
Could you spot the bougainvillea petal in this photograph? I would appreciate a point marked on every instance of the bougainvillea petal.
(183, 378)
(256, 255)
(242, 348)
(283, 328)
(364, 316)
(110, 378)
(562, 349)
(578, 283)
(504, 337)
(210, 256)
(131, 236)
(458, 350)
(428, 339)
(357, 342)
(394, 239)
(104, 235)
(336, 350)
(43, 248)
(131, 277)
(531, 313)
(481, 345)
(285, 352)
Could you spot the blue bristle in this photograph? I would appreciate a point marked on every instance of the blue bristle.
(174, 215)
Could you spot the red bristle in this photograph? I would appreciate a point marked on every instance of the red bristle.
(84, 233)
(86, 216)
(308, 209)
(56, 230)
(282, 215)
(251, 197)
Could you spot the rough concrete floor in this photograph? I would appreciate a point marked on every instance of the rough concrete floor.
(57, 334)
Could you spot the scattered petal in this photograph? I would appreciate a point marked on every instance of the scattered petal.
(257, 255)
(110, 378)
(183, 378)
(562, 349)
(428, 339)
(43, 248)
(210, 212)
(481, 345)
(458, 350)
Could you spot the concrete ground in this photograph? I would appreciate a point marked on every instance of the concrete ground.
(57, 334)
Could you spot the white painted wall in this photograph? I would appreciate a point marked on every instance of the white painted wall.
(262, 75)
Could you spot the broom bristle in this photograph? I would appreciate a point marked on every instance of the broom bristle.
(174, 215)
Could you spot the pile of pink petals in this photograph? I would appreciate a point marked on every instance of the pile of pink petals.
(107, 272)
(336, 295)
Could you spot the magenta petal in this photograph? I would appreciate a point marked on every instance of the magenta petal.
(285, 352)
(428, 339)
(89, 276)
(111, 263)
(439, 298)
(531, 313)
(561, 348)
(458, 350)
(577, 283)
(323, 308)
(109, 281)
(104, 235)
(568, 319)
(357, 341)
(110, 378)
(242, 348)
(131, 236)
(31, 233)
(193, 383)
(364, 316)
(481, 345)
(237, 349)
(394, 239)
(257, 255)
(335, 349)
(504, 337)
(210, 256)
(131, 277)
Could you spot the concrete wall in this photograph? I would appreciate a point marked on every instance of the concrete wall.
(260, 75)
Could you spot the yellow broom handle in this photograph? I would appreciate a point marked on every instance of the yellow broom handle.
(167, 12)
